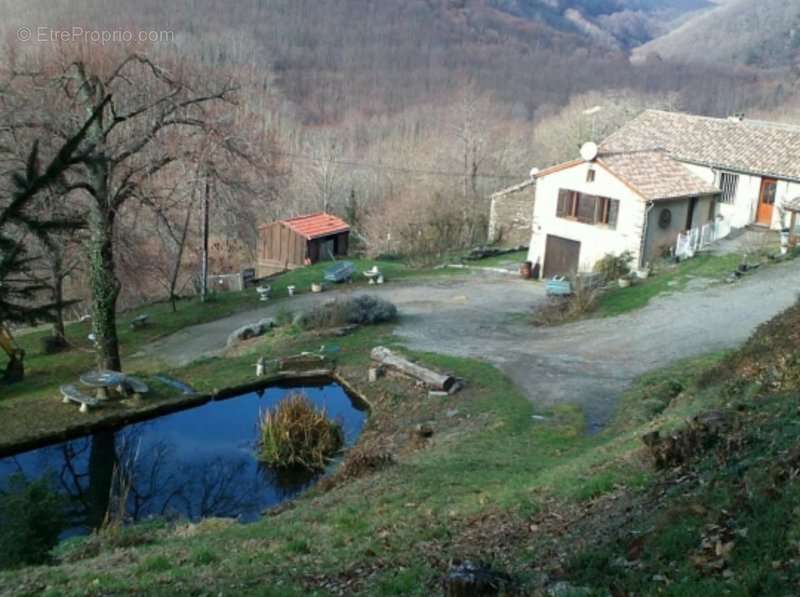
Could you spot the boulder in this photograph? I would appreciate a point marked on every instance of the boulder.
(469, 579)
(253, 330)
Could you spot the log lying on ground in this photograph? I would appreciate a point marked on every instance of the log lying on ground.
(431, 379)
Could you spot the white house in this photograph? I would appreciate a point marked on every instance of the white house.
(755, 164)
(612, 202)
(661, 178)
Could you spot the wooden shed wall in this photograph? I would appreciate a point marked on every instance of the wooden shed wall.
(280, 249)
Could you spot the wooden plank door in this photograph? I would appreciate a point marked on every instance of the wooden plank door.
(766, 201)
(690, 212)
(561, 257)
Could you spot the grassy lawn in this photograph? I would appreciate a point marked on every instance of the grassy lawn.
(35, 402)
(533, 496)
(491, 463)
(671, 279)
(500, 481)
(46, 372)
(515, 258)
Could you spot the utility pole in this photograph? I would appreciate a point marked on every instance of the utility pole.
(204, 274)
(593, 113)
(466, 167)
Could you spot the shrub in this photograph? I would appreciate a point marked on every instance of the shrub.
(614, 267)
(297, 435)
(32, 517)
(360, 310)
(422, 227)
(557, 309)
(362, 461)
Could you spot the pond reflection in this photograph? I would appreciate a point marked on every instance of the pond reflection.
(193, 464)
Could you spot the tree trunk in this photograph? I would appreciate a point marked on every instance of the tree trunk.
(105, 287)
(102, 460)
(173, 282)
(204, 266)
(58, 300)
(430, 378)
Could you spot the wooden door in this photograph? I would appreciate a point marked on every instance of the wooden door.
(690, 212)
(766, 201)
(561, 257)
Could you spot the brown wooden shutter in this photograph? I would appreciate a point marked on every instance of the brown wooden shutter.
(613, 213)
(562, 209)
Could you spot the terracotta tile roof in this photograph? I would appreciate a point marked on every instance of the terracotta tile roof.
(316, 225)
(655, 175)
(748, 146)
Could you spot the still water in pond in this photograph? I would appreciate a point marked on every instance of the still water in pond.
(192, 464)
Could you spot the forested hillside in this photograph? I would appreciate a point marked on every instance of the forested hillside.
(331, 57)
(396, 115)
(764, 34)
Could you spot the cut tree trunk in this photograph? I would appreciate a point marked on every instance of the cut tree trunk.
(431, 379)
(59, 332)
(105, 288)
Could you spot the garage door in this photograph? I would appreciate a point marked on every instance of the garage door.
(561, 257)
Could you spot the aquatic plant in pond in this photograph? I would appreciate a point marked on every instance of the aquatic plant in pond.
(197, 463)
(295, 434)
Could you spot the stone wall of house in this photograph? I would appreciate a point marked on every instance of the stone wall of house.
(510, 218)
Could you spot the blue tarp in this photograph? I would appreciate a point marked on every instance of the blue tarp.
(558, 287)
(340, 272)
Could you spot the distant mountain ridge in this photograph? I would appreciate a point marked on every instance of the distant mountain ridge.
(761, 33)
(621, 23)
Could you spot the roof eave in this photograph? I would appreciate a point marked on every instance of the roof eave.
(736, 170)
(329, 233)
(514, 189)
(685, 196)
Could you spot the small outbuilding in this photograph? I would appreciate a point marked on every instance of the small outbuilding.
(303, 240)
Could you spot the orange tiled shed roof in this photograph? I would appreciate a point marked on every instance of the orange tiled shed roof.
(316, 225)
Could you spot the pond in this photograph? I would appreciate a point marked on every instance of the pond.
(191, 464)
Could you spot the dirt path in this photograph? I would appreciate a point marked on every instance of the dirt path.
(587, 363)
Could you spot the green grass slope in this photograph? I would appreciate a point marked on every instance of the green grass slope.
(532, 496)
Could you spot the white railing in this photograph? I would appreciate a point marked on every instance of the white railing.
(692, 241)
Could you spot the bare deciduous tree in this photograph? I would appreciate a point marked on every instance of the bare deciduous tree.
(156, 117)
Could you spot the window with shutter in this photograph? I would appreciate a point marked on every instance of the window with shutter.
(588, 209)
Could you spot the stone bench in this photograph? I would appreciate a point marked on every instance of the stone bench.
(135, 386)
(139, 322)
(71, 393)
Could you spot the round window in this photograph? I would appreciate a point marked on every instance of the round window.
(665, 218)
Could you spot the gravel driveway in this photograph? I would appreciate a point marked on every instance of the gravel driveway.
(588, 363)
